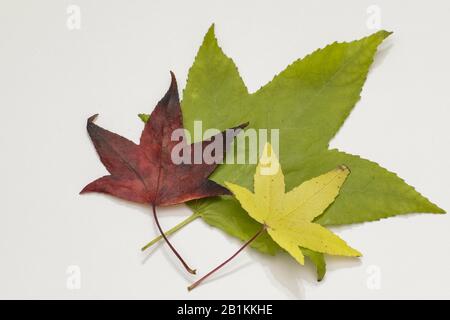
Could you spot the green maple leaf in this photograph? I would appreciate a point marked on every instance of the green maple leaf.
(308, 102)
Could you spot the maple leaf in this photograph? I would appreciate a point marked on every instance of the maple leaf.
(308, 101)
(288, 216)
(145, 172)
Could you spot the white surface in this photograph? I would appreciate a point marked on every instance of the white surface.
(117, 64)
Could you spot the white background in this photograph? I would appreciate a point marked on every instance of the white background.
(53, 78)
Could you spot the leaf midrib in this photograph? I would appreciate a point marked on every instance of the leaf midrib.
(125, 162)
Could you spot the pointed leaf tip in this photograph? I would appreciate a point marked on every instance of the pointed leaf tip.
(173, 82)
(92, 118)
(172, 92)
(385, 34)
(85, 189)
(212, 28)
(210, 34)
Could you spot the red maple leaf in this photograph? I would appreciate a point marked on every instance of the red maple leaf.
(145, 172)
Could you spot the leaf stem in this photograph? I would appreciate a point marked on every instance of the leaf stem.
(195, 284)
(192, 271)
(179, 226)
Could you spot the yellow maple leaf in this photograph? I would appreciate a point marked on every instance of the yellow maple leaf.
(288, 216)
